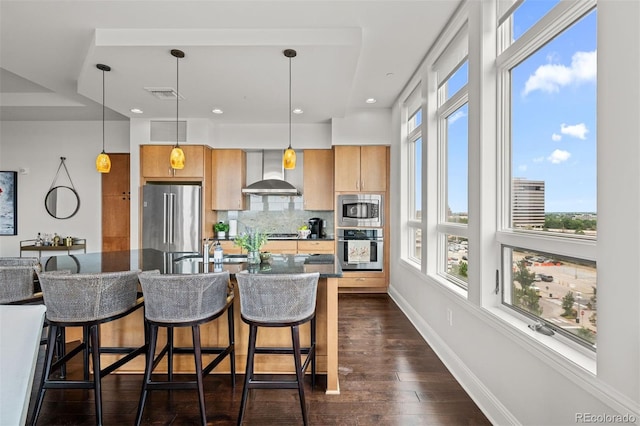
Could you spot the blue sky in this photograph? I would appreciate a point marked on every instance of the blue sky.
(553, 121)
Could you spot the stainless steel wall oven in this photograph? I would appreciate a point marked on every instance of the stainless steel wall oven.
(361, 249)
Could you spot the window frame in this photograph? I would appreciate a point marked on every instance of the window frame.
(509, 56)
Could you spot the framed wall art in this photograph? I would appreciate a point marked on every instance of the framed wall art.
(8, 203)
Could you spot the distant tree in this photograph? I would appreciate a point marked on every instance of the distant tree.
(593, 319)
(526, 296)
(463, 269)
(523, 275)
(593, 300)
(567, 304)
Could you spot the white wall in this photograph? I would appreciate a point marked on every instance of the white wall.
(38, 146)
(514, 375)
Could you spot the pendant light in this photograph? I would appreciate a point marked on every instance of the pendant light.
(289, 157)
(177, 155)
(103, 162)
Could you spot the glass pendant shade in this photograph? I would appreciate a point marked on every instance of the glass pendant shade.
(289, 159)
(103, 163)
(177, 158)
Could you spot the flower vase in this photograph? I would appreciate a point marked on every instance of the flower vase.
(253, 257)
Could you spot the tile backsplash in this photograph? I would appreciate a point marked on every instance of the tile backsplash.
(276, 214)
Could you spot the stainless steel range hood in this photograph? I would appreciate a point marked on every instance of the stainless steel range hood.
(273, 175)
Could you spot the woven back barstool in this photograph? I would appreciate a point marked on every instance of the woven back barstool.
(278, 300)
(85, 300)
(185, 300)
(17, 277)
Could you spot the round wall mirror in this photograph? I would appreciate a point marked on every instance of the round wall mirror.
(62, 202)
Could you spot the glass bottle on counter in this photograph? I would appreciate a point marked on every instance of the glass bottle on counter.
(56, 239)
(39, 241)
(217, 253)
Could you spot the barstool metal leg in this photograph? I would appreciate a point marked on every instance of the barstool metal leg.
(97, 388)
(51, 346)
(151, 350)
(197, 355)
(253, 331)
(295, 337)
(232, 343)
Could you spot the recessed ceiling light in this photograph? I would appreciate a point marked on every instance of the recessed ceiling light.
(217, 111)
(371, 100)
(297, 111)
(136, 110)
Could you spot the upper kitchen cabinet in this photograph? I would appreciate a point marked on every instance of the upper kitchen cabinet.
(154, 161)
(318, 179)
(229, 177)
(360, 168)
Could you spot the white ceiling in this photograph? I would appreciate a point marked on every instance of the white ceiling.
(348, 51)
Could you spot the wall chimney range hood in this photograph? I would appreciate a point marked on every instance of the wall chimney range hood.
(272, 182)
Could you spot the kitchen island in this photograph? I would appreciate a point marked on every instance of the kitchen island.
(129, 331)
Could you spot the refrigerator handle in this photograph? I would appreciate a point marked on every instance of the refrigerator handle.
(172, 202)
(164, 217)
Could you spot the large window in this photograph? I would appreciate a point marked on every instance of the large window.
(414, 182)
(453, 143)
(547, 86)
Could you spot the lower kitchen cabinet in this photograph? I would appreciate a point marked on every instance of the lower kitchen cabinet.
(281, 246)
(363, 282)
(316, 246)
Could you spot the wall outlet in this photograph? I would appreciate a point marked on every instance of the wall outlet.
(449, 316)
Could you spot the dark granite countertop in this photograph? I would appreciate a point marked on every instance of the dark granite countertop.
(189, 263)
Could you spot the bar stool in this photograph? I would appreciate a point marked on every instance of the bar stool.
(17, 279)
(278, 300)
(185, 300)
(85, 300)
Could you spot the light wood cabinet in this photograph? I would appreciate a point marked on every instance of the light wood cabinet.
(281, 246)
(229, 177)
(154, 162)
(229, 248)
(318, 179)
(116, 199)
(316, 246)
(360, 168)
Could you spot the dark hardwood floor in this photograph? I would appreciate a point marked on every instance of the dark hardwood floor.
(388, 376)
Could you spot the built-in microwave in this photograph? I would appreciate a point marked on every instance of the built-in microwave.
(355, 210)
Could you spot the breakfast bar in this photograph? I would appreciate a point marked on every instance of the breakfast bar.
(129, 331)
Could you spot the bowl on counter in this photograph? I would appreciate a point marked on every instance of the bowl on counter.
(304, 233)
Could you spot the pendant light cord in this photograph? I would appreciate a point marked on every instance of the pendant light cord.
(103, 111)
(289, 102)
(177, 101)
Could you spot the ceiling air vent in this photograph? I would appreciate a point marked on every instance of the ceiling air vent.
(163, 93)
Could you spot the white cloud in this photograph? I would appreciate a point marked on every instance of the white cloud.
(556, 137)
(559, 156)
(538, 159)
(522, 168)
(550, 77)
(577, 130)
(456, 116)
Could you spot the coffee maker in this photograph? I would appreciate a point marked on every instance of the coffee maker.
(315, 225)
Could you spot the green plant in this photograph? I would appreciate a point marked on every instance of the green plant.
(251, 241)
(221, 227)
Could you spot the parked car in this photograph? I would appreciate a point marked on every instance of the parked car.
(546, 278)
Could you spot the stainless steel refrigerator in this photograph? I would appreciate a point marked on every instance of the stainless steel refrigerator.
(171, 219)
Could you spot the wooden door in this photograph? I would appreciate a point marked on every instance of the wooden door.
(318, 179)
(347, 168)
(116, 199)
